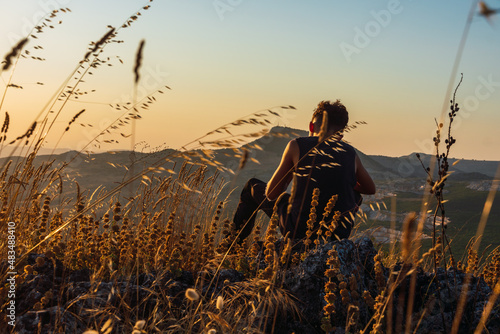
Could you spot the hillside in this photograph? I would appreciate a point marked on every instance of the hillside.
(402, 176)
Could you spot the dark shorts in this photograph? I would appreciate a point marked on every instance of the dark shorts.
(253, 198)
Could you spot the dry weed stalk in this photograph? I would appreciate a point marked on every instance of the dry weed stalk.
(168, 226)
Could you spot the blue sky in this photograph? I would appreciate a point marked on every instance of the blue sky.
(228, 58)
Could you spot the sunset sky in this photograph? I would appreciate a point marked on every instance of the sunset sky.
(388, 61)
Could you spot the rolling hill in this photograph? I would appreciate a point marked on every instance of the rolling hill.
(400, 176)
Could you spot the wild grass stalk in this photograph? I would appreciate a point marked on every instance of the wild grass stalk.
(475, 247)
(174, 224)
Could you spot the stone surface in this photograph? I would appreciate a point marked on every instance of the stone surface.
(75, 293)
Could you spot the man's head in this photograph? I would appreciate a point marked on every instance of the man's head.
(338, 117)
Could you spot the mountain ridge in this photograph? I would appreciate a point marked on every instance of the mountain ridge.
(93, 169)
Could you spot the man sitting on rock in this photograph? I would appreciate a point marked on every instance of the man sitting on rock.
(321, 161)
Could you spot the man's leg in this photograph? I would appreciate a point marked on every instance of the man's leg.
(252, 199)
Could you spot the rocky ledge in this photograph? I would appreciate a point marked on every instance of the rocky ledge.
(53, 299)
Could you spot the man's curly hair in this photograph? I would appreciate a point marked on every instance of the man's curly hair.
(338, 117)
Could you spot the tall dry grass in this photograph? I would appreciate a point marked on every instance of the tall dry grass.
(175, 223)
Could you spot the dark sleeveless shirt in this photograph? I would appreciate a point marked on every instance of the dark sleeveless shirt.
(331, 168)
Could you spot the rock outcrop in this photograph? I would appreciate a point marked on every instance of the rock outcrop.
(72, 299)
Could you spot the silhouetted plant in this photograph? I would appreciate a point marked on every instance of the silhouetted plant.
(437, 183)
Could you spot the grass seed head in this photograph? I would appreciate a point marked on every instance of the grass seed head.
(138, 61)
(139, 325)
(220, 303)
(13, 53)
(192, 295)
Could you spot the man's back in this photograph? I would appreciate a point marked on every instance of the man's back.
(330, 167)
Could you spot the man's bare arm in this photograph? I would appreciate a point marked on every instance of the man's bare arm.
(284, 173)
(365, 184)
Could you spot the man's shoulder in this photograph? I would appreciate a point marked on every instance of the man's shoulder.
(311, 141)
(347, 146)
(314, 140)
(308, 139)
